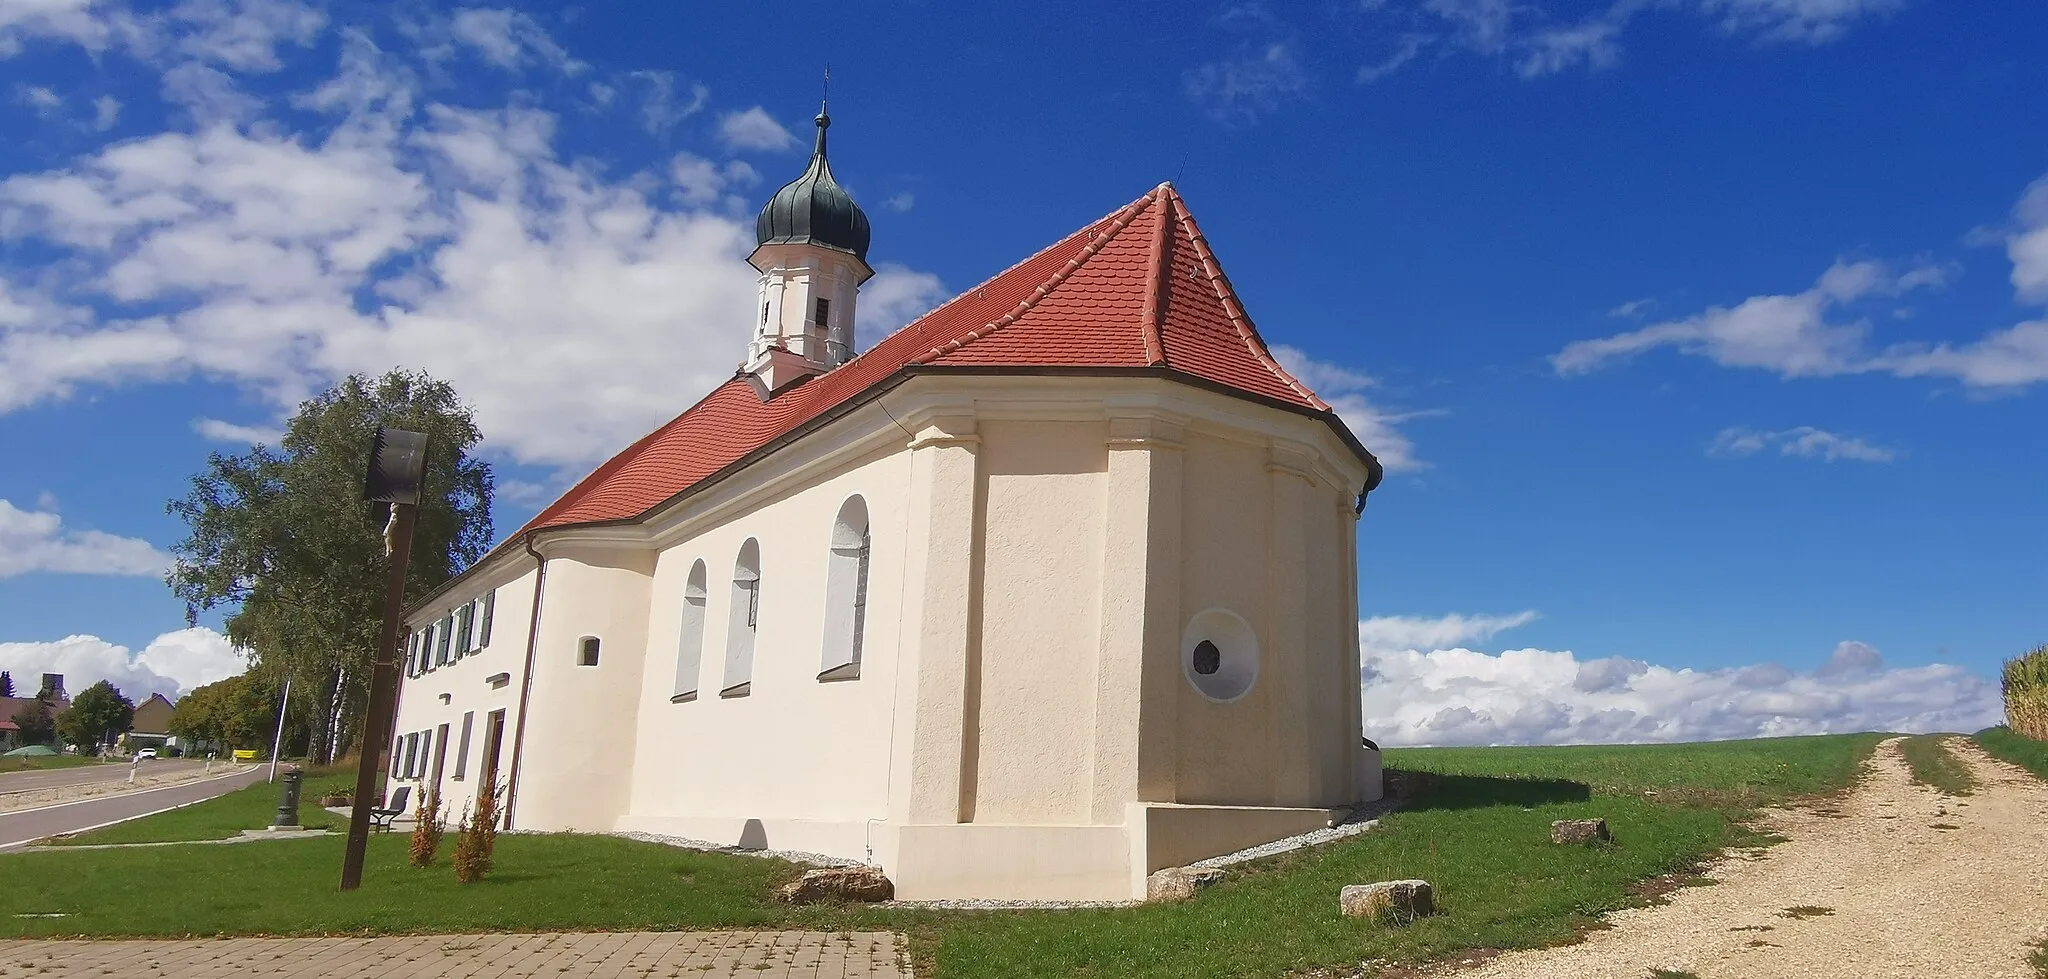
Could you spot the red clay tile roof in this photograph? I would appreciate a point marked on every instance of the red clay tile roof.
(1137, 289)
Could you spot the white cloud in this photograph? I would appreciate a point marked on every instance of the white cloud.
(900, 202)
(1262, 71)
(1594, 44)
(1805, 442)
(220, 431)
(1805, 21)
(1632, 309)
(106, 110)
(574, 305)
(660, 109)
(1250, 84)
(895, 296)
(1424, 632)
(1404, 51)
(753, 129)
(35, 540)
(172, 664)
(43, 100)
(1344, 389)
(1807, 334)
(1528, 36)
(1419, 693)
(701, 182)
(95, 25)
(244, 35)
(510, 39)
(1799, 334)
(210, 94)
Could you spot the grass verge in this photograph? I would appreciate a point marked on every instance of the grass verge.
(44, 763)
(2004, 743)
(1934, 765)
(2039, 960)
(1480, 834)
(250, 807)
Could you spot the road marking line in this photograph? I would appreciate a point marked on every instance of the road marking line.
(110, 822)
(123, 819)
(125, 795)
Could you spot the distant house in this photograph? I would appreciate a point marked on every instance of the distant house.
(51, 693)
(152, 725)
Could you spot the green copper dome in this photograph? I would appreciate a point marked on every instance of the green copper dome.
(814, 209)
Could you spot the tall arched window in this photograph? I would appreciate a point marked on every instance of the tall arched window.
(745, 619)
(846, 592)
(690, 647)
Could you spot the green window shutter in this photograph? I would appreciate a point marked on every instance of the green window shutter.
(465, 628)
(484, 632)
(447, 630)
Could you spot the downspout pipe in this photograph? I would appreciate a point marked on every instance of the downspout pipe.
(1374, 474)
(540, 579)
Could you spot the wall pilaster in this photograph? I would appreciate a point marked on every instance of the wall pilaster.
(1139, 664)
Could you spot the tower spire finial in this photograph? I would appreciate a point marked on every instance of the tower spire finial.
(824, 119)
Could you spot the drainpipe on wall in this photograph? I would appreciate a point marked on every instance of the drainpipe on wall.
(540, 578)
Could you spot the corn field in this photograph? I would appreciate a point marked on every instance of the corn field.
(2026, 694)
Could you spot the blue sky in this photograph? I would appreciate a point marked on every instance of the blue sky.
(1699, 334)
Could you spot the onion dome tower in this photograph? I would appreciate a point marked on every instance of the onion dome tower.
(811, 250)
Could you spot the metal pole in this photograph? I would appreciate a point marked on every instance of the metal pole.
(277, 742)
(383, 687)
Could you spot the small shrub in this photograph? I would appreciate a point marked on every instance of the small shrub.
(427, 830)
(478, 836)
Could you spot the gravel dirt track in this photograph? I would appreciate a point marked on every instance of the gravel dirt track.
(1903, 897)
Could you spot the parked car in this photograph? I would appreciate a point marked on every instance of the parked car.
(149, 753)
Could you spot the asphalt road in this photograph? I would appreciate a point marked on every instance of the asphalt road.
(89, 774)
(29, 825)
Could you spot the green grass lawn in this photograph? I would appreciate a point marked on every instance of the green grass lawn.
(2002, 742)
(1933, 764)
(249, 807)
(1480, 834)
(45, 763)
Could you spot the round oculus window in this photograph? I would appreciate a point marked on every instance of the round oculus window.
(1220, 655)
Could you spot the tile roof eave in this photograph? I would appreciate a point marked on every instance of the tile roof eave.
(531, 533)
(1344, 433)
(890, 383)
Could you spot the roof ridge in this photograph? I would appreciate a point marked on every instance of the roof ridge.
(1225, 293)
(1158, 280)
(1121, 219)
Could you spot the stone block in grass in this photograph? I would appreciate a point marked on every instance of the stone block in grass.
(1389, 902)
(1579, 831)
(1179, 883)
(838, 884)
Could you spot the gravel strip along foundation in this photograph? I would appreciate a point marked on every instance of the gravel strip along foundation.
(1895, 880)
(793, 856)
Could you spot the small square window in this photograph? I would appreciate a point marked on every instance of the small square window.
(823, 315)
(586, 651)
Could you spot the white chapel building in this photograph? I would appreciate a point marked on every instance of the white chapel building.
(1052, 588)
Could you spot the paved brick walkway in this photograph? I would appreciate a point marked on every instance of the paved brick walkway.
(619, 955)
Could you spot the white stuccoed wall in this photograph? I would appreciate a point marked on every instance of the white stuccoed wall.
(1022, 725)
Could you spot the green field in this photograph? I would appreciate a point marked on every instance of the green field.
(2001, 742)
(45, 763)
(1480, 833)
